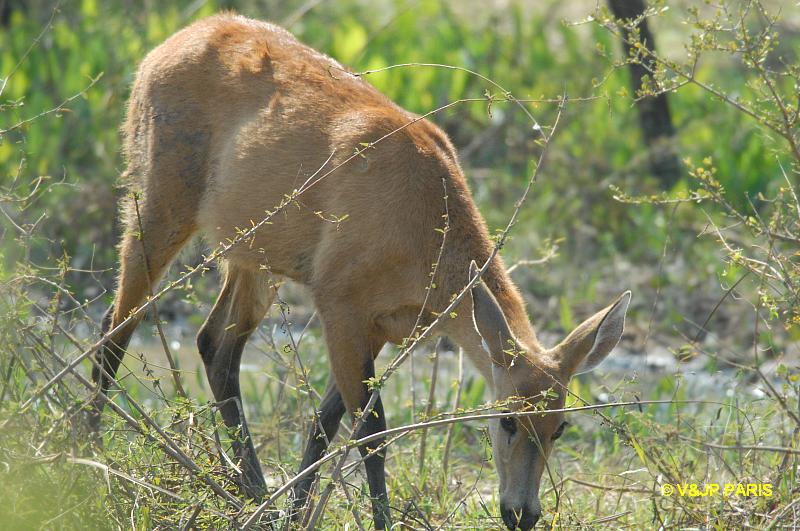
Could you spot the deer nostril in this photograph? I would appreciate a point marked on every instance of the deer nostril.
(523, 518)
(509, 518)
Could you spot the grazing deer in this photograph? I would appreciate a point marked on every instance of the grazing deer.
(227, 117)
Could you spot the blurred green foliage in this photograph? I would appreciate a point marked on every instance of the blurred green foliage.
(526, 48)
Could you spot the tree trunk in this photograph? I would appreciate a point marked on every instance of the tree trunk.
(654, 115)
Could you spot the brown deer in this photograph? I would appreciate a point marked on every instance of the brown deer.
(227, 117)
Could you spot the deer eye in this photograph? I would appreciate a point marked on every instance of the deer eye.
(559, 431)
(509, 424)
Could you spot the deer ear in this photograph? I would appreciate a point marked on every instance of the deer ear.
(594, 339)
(489, 321)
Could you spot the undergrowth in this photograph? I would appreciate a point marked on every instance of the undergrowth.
(714, 263)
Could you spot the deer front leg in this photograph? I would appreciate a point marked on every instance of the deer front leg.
(351, 356)
(374, 421)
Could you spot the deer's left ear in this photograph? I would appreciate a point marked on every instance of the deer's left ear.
(594, 339)
(490, 322)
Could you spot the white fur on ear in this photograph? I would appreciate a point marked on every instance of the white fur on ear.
(473, 272)
(484, 344)
(609, 332)
(489, 320)
(499, 378)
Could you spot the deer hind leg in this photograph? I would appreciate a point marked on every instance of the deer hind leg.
(351, 349)
(244, 300)
(151, 242)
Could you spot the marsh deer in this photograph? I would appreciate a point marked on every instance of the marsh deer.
(227, 117)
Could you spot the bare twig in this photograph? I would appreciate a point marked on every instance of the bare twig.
(429, 406)
(456, 404)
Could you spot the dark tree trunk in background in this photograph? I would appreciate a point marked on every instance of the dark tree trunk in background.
(654, 115)
(5, 12)
(7, 7)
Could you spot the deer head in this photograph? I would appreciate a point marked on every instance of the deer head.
(527, 380)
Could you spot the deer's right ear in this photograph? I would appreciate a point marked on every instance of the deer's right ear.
(489, 321)
(594, 339)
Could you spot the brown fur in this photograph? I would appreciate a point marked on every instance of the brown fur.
(227, 117)
(230, 114)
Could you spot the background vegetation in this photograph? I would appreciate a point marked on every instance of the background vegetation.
(713, 263)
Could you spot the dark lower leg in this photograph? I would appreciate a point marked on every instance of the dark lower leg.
(324, 430)
(242, 303)
(108, 356)
(374, 421)
(222, 369)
